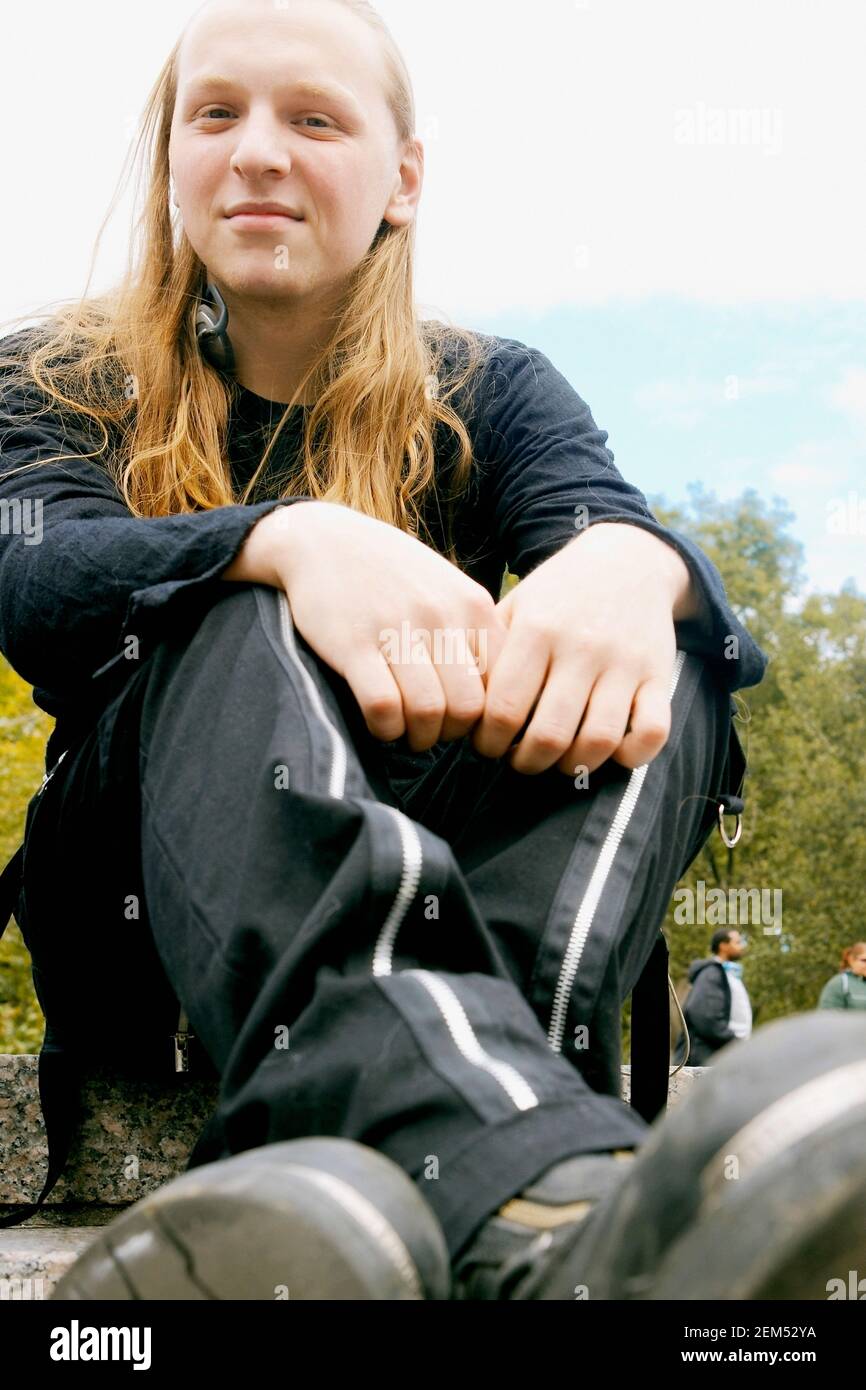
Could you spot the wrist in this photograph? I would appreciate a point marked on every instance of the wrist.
(665, 565)
(259, 559)
(684, 594)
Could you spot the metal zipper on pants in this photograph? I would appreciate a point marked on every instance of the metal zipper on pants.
(454, 1014)
(413, 861)
(412, 851)
(340, 757)
(594, 889)
(181, 1041)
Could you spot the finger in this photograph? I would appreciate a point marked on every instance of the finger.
(455, 657)
(378, 694)
(512, 690)
(554, 724)
(650, 724)
(488, 643)
(604, 722)
(424, 701)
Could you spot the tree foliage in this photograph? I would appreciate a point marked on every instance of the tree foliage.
(804, 733)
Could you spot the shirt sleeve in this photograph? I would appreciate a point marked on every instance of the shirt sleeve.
(78, 571)
(550, 474)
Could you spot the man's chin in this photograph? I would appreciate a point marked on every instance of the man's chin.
(253, 284)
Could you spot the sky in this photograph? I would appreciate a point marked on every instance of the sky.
(667, 199)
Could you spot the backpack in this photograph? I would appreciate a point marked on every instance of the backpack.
(59, 1076)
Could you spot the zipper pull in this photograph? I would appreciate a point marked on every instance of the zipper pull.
(47, 778)
(181, 1043)
(731, 806)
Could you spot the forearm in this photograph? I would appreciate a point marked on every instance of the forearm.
(260, 559)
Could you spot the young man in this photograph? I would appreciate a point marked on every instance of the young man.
(717, 1009)
(401, 896)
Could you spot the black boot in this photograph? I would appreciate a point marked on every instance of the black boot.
(317, 1218)
(523, 1236)
(753, 1187)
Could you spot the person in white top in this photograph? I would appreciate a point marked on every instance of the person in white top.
(717, 1009)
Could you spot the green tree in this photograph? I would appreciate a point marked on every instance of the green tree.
(24, 731)
(804, 732)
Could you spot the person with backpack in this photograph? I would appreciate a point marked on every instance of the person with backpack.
(323, 812)
(717, 1008)
(847, 989)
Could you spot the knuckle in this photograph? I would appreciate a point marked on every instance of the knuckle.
(427, 711)
(550, 739)
(503, 713)
(655, 731)
(467, 711)
(383, 708)
(603, 738)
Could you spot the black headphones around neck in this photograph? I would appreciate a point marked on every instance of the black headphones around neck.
(211, 329)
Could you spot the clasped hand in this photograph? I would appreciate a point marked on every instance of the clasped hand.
(581, 652)
(587, 655)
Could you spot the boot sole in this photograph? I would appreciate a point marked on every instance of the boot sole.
(748, 1188)
(305, 1219)
(792, 1223)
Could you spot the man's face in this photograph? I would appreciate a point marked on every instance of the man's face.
(733, 948)
(331, 155)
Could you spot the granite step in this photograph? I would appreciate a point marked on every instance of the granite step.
(33, 1258)
(134, 1137)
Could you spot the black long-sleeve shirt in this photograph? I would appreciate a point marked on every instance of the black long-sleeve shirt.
(97, 574)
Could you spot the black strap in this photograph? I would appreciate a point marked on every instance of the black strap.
(650, 1035)
(11, 880)
(60, 1097)
(59, 1076)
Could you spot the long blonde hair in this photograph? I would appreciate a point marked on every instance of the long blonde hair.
(129, 363)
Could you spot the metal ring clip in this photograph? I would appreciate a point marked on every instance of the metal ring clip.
(723, 832)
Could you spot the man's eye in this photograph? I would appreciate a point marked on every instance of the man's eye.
(222, 112)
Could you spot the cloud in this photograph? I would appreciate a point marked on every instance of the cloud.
(849, 395)
(682, 403)
(685, 402)
(813, 464)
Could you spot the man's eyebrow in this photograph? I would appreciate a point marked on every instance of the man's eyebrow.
(210, 81)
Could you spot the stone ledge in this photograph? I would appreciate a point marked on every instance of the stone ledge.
(678, 1086)
(135, 1135)
(33, 1259)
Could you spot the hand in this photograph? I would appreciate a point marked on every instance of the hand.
(590, 653)
(411, 633)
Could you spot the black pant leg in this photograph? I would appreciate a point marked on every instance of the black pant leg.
(574, 881)
(329, 954)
